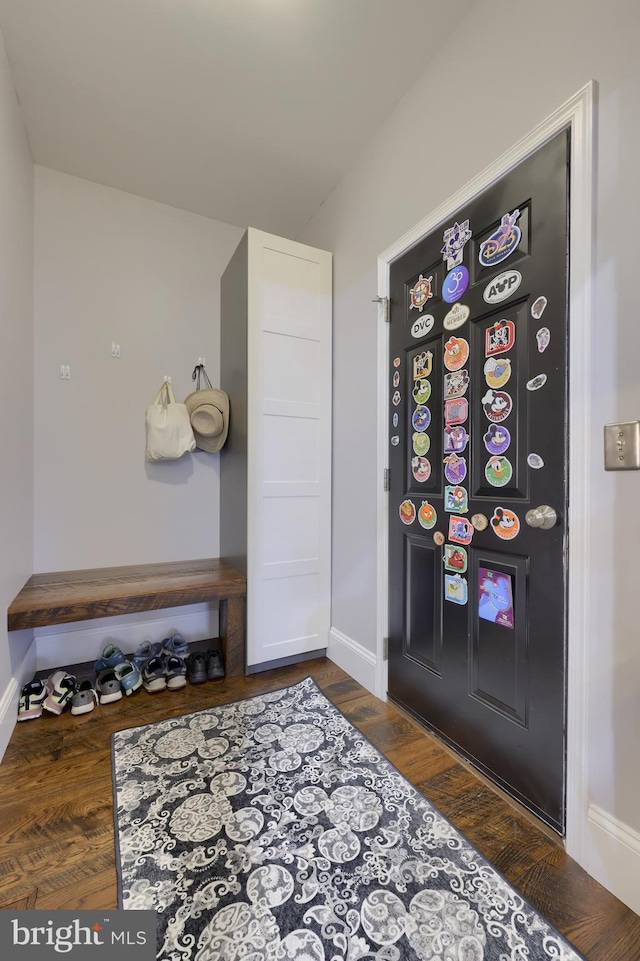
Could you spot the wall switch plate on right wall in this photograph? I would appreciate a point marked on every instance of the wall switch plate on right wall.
(622, 446)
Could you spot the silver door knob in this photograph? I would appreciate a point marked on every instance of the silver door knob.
(543, 517)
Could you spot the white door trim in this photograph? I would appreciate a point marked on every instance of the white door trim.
(578, 114)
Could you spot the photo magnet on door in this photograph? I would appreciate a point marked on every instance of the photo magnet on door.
(454, 240)
(502, 286)
(395, 419)
(421, 292)
(455, 588)
(396, 379)
(505, 523)
(495, 597)
(502, 242)
(535, 461)
(455, 284)
(439, 538)
(396, 361)
(396, 397)
(454, 558)
(427, 516)
(395, 440)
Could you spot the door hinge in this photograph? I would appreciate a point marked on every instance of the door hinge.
(386, 480)
(385, 648)
(385, 307)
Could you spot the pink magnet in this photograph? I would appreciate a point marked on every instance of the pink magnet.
(456, 411)
(421, 469)
(460, 529)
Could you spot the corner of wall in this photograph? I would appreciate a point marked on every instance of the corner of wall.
(353, 658)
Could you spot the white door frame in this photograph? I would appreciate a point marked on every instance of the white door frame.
(578, 114)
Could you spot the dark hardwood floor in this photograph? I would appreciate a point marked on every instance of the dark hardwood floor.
(56, 810)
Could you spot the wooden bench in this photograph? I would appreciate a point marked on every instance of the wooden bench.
(67, 596)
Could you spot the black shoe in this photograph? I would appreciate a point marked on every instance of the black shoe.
(215, 667)
(197, 668)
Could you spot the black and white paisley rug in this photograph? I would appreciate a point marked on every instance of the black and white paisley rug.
(272, 830)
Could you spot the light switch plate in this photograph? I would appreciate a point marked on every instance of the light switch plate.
(622, 446)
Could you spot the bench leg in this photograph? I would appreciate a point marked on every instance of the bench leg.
(232, 635)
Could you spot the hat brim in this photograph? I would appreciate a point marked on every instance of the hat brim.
(214, 397)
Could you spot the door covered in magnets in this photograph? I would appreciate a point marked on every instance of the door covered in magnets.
(478, 431)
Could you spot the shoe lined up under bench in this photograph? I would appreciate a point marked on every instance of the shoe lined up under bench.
(67, 596)
(156, 666)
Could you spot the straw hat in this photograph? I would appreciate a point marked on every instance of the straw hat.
(209, 415)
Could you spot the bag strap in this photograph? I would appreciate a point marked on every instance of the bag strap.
(164, 397)
(197, 371)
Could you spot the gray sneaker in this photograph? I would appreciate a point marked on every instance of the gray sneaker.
(84, 698)
(108, 687)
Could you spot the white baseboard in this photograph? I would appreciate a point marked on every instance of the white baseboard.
(62, 644)
(10, 696)
(353, 658)
(614, 856)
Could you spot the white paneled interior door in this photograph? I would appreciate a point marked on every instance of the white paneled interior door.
(289, 449)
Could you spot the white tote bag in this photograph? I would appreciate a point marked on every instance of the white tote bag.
(169, 431)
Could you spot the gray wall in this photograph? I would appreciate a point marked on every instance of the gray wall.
(16, 390)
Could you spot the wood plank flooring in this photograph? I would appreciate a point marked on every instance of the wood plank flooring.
(56, 811)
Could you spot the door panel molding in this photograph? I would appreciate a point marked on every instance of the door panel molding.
(577, 113)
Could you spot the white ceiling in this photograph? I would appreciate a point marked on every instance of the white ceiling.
(248, 111)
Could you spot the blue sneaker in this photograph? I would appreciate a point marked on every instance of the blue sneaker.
(145, 651)
(129, 677)
(175, 644)
(111, 656)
